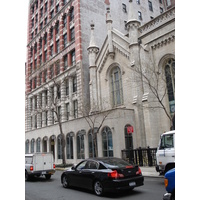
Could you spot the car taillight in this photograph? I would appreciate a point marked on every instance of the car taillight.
(139, 171)
(114, 174)
(54, 166)
(31, 168)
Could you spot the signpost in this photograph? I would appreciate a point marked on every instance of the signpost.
(130, 129)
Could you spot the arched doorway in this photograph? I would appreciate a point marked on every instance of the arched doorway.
(128, 143)
(128, 138)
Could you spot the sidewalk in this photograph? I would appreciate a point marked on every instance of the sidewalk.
(150, 172)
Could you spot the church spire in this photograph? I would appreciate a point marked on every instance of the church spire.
(109, 29)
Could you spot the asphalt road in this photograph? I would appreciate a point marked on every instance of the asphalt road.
(42, 189)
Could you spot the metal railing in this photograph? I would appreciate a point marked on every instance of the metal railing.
(140, 156)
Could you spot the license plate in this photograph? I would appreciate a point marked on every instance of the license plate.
(132, 184)
(43, 172)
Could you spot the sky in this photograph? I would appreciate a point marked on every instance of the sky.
(13, 40)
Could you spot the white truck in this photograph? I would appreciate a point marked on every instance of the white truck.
(165, 155)
(38, 164)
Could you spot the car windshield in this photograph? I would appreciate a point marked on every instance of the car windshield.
(167, 141)
(115, 163)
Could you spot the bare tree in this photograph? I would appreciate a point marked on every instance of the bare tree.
(157, 82)
(95, 122)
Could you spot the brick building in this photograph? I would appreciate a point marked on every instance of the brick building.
(58, 70)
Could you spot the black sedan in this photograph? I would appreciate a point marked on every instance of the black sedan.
(103, 175)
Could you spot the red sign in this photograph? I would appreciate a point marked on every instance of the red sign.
(129, 129)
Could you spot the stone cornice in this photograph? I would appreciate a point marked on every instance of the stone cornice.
(158, 21)
(162, 41)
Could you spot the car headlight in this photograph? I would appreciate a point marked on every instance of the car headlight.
(166, 182)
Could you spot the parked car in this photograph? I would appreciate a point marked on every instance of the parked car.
(170, 185)
(39, 164)
(103, 175)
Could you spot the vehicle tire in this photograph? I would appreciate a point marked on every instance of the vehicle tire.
(26, 176)
(98, 188)
(48, 176)
(65, 182)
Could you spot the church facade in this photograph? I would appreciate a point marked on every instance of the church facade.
(131, 96)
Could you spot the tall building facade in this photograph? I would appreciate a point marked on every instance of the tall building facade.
(58, 73)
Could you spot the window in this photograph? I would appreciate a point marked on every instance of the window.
(57, 28)
(124, 8)
(65, 40)
(107, 142)
(67, 110)
(170, 83)
(74, 84)
(73, 57)
(167, 141)
(59, 140)
(116, 86)
(80, 145)
(72, 34)
(32, 145)
(139, 15)
(51, 33)
(150, 6)
(160, 1)
(58, 92)
(57, 46)
(65, 62)
(138, 2)
(161, 10)
(70, 146)
(57, 8)
(75, 109)
(67, 87)
(81, 165)
(38, 145)
(168, 2)
(92, 143)
(51, 50)
(27, 146)
(72, 14)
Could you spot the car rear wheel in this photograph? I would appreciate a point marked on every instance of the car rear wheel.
(65, 182)
(26, 176)
(48, 176)
(98, 188)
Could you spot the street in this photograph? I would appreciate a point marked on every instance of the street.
(42, 189)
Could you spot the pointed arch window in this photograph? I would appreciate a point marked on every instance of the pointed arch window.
(170, 83)
(116, 86)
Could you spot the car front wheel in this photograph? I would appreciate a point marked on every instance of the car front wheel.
(98, 188)
(65, 182)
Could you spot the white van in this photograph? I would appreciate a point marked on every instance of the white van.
(165, 155)
(38, 164)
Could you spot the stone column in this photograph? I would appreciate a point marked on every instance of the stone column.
(63, 105)
(71, 112)
(49, 101)
(43, 107)
(39, 114)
